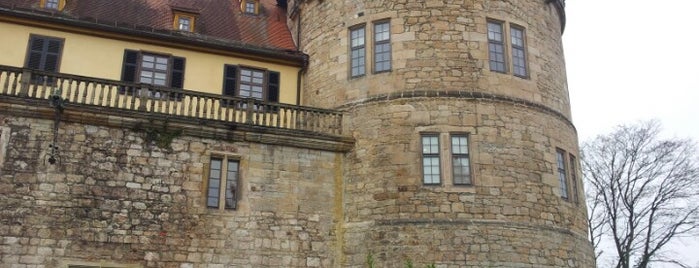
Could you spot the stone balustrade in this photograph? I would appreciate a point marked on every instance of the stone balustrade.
(117, 95)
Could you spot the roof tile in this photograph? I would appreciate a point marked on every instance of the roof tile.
(219, 19)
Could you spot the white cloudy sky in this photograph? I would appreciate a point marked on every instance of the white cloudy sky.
(630, 60)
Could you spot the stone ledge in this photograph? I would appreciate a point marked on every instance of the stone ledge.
(461, 222)
(463, 94)
(76, 113)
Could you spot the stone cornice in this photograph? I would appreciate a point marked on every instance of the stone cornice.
(463, 94)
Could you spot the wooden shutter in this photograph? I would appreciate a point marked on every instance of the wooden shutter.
(273, 87)
(230, 77)
(36, 48)
(44, 53)
(128, 70)
(177, 72)
(52, 55)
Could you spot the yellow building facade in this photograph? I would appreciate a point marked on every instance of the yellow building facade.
(92, 53)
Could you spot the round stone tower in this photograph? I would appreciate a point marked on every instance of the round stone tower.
(465, 152)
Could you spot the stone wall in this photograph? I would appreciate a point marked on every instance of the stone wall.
(113, 198)
(440, 82)
(512, 215)
(437, 45)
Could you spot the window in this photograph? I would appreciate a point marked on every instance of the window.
(519, 58)
(430, 159)
(250, 6)
(184, 22)
(43, 54)
(461, 167)
(496, 47)
(251, 83)
(574, 177)
(222, 184)
(562, 180)
(53, 4)
(153, 69)
(4, 142)
(357, 51)
(382, 46)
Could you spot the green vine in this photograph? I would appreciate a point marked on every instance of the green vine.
(160, 136)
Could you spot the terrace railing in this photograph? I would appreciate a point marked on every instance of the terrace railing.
(110, 94)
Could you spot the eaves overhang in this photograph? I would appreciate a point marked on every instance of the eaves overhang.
(176, 39)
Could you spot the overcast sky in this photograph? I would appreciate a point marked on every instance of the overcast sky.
(630, 60)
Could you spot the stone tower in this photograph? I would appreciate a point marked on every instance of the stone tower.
(465, 151)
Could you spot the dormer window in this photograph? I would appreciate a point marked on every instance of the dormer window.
(53, 4)
(250, 6)
(184, 22)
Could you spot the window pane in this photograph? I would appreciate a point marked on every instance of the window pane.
(232, 185)
(430, 159)
(252, 83)
(214, 183)
(459, 145)
(519, 61)
(563, 182)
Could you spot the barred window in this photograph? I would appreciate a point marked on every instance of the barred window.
(382, 46)
(358, 51)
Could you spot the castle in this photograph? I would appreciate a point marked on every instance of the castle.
(299, 133)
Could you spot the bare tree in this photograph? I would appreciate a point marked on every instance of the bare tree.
(642, 192)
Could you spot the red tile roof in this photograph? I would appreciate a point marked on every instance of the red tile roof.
(221, 20)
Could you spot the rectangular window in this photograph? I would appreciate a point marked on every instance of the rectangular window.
(222, 185)
(153, 69)
(251, 83)
(357, 51)
(519, 58)
(562, 180)
(183, 21)
(250, 7)
(382, 46)
(184, 24)
(496, 47)
(430, 159)
(574, 177)
(461, 166)
(52, 4)
(43, 54)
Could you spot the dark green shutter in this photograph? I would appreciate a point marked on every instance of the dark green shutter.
(44, 53)
(53, 52)
(128, 70)
(177, 73)
(230, 79)
(273, 87)
(36, 50)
